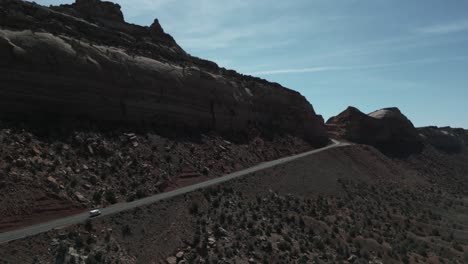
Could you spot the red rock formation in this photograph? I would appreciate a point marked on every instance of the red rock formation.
(387, 129)
(83, 60)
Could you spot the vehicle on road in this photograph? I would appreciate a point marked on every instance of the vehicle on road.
(94, 212)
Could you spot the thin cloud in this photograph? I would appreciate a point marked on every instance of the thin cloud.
(286, 71)
(452, 27)
(266, 34)
(355, 67)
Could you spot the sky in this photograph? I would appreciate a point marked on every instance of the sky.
(369, 54)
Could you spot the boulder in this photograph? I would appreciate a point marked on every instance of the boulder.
(52, 181)
(387, 129)
(87, 63)
(352, 258)
(180, 255)
(171, 260)
(53, 184)
(80, 197)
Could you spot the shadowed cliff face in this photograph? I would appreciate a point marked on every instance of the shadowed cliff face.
(386, 129)
(83, 60)
(446, 139)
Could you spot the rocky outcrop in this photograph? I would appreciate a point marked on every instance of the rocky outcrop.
(95, 9)
(387, 129)
(446, 139)
(82, 60)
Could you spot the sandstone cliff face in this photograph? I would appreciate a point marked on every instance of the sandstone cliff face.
(387, 129)
(83, 60)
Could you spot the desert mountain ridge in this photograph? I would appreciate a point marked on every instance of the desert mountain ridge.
(390, 131)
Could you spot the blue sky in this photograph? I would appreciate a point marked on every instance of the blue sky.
(365, 53)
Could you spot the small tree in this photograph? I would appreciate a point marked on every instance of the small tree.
(97, 196)
(88, 225)
(61, 253)
(126, 230)
(110, 197)
(193, 208)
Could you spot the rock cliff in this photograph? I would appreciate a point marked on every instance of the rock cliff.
(446, 139)
(387, 129)
(84, 61)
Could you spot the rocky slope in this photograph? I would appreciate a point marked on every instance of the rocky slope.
(347, 205)
(49, 175)
(386, 129)
(84, 61)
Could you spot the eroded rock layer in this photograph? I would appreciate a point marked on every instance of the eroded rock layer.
(387, 129)
(84, 61)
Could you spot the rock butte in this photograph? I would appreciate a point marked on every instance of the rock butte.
(387, 129)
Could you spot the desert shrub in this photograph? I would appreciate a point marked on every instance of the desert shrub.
(110, 197)
(90, 240)
(193, 209)
(126, 230)
(319, 245)
(92, 260)
(268, 247)
(229, 219)
(254, 217)
(252, 231)
(457, 246)
(97, 196)
(421, 250)
(196, 237)
(405, 259)
(284, 246)
(61, 253)
(229, 252)
(74, 182)
(215, 203)
(140, 194)
(78, 242)
(88, 225)
(107, 237)
(222, 218)
(379, 240)
(365, 254)
(335, 229)
(131, 198)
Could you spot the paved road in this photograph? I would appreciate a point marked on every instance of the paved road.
(119, 207)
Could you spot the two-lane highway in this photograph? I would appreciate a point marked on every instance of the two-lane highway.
(119, 207)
